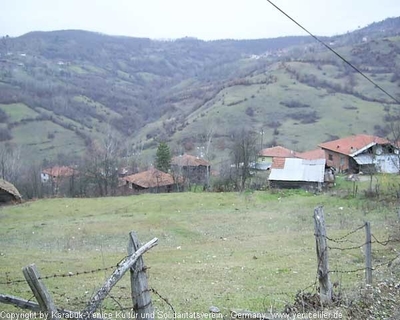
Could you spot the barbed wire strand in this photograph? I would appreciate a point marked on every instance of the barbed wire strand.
(117, 302)
(341, 239)
(384, 243)
(347, 248)
(347, 271)
(64, 275)
(164, 299)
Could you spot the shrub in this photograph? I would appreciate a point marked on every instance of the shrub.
(250, 112)
(5, 134)
(349, 107)
(305, 117)
(294, 104)
(3, 116)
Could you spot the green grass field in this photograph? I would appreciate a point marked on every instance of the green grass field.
(18, 111)
(34, 137)
(235, 251)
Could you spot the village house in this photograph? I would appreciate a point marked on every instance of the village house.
(298, 173)
(192, 169)
(57, 172)
(319, 154)
(311, 155)
(153, 181)
(362, 153)
(306, 170)
(59, 177)
(268, 156)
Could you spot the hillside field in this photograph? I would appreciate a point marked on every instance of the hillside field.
(63, 91)
(236, 251)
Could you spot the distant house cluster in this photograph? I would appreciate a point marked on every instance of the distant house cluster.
(286, 168)
(355, 154)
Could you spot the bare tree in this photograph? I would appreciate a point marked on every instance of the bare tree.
(131, 155)
(30, 184)
(394, 138)
(10, 162)
(206, 139)
(101, 165)
(243, 154)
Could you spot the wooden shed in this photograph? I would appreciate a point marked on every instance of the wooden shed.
(8, 192)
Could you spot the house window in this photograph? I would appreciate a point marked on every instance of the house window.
(330, 157)
(341, 161)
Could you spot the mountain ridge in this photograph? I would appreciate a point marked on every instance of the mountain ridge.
(85, 83)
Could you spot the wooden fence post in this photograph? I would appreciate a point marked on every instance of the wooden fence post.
(325, 285)
(33, 306)
(368, 254)
(141, 298)
(122, 268)
(42, 296)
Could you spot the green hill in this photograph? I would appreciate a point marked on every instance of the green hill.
(60, 90)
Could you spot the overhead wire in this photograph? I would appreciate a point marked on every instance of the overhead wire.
(336, 53)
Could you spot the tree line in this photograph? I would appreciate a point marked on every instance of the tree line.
(97, 173)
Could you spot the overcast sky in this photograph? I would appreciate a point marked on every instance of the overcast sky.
(204, 19)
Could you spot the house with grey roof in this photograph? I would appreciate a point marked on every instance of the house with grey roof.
(298, 173)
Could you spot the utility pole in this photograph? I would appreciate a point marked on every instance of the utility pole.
(262, 138)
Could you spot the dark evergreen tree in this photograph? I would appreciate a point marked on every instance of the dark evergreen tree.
(163, 157)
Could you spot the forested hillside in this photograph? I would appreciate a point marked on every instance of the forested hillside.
(61, 90)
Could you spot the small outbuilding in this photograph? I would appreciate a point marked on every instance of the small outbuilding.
(8, 192)
(192, 169)
(298, 173)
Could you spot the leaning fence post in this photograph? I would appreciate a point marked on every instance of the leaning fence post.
(40, 292)
(325, 285)
(118, 273)
(368, 254)
(141, 298)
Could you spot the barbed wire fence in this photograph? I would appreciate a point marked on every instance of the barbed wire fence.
(134, 298)
(345, 244)
(350, 256)
(122, 299)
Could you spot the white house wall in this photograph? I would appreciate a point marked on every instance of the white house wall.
(387, 163)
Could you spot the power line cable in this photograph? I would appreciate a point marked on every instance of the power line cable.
(336, 53)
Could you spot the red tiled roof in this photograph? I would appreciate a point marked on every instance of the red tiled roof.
(278, 163)
(187, 160)
(150, 179)
(350, 145)
(62, 171)
(278, 152)
(311, 155)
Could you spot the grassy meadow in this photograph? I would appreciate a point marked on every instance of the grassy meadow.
(235, 251)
